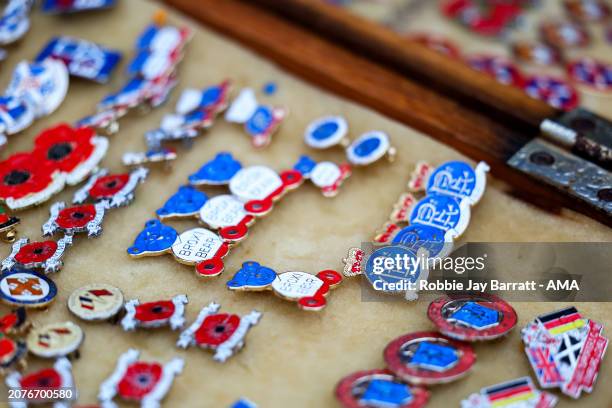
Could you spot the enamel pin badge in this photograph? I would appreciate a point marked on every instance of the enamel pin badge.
(15, 322)
(556, 92)
(74, 6)
(519, 392)
(59, 378)
(155, 314)
(78, 218)
(217, 171)
(139, 381)
(15, 21)
(83, 59)
(226, 214)
(326, 132)
(472, 317)
(503, 70)
(222, 333)
(327, 176)
(22, 287)
(197, 246)
(308, 290)
(16, 116)
(96, 302)
(587, 11)
(42, 255)
(116, 190)
(591, 73)
(456, 179)
(379, 388)
(164, 155)
(565, 350)
(13, 353)
(185, 203)
(369, 148)
(55, 340)
(260, 121)
(8, 225)
(428, 358)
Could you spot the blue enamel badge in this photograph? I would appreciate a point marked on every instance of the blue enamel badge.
(385, 393)
(186, 202)
(252, 276)
(154, 239)
(217, 171)
(305, 165)
(83, 59)
(476, 316)
(434, 356)
(443, 212)
(15, 21)
(458, 179)
(368, 148)
(326, 132)
(424, 236)
(15, 115)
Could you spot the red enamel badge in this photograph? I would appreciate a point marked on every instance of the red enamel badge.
(45, 255)
(78, 218)
(114, 189)
(155, 314)
(57, 378)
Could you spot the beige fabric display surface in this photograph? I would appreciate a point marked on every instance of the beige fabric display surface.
(291, 358)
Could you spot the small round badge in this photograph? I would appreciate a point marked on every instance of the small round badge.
(255, 183)
(55, 340)
(326, 132)
(428, 358)
(27, 288)
(95, 302)
(369, 148)
(223, 211)
(472, 317)
(379, 388)
(196, 245)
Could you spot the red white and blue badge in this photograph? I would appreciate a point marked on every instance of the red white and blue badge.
(587, 11)
(44, 255)
(308, 290)
(458, 179)
(443, 212)
(472, 317)
(260, 121)
(22, 287)
(138, 381)
(379, 388)
(15, 115)
(369, 148)
(12, 354)
(217, 171)
(222, 333)
(55, 340)
(116, 190)
(15, 21)
(226, 214)
(104, 122)
(155, 314)
(564, 34)
(51, 380)
(73, 6)
(535, 53)
(504, 71)
(75, 219)
(520, 392)
(84, 59)
(328, 176)
(565, 350)
(554, 91)
(428, 358)
(326, 132)
(591, 73)
(185, 203)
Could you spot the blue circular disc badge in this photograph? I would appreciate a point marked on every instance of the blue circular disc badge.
(26, 288)
(442, 212)
(326, 132)
(368, 148)
(395, 269)
(424, 236)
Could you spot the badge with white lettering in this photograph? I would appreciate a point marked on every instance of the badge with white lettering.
(155, 314)
(139, 381)
(259, 187)
(369, 148)
(565, 350)
(472, 317)
(519, 393)
(185, 203)
(96, 302)
(164, 155)
(222, 333)
(379, 388)
(564, 34)
(115, 190)
(326, 132)
(12, 354)
(74, 6)
(21, 287)
(44, 255)
(428, 358)
(442, 212)
(226, 214)
(8, 225)
(78, 218)
(15, 21)
(591, 73)
(308, 290)
(15, 322)
(458, 179)
(435, 241)
(260, 121)
(84, 59)
(328, 176)
(217, 171)
(55, 381)
(556, 92)
(55, 340)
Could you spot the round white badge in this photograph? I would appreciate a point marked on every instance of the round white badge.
(55, 340)
(254, 183)
(196, 245)
(26, 288)
(96, 301)
(222, 211)
(368, 148)
(326, 132)
(325, 174)
(295, 285)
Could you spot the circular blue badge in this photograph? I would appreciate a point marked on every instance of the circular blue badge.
(422, 236)
(442, 212)
(326, 132)
(454, 178)
(393, 269)
(368, 148)
(23, 287)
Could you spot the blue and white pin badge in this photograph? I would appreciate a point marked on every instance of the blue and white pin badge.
(435, 240)
(15, 116)
(260, 121)
(328, 176)
(218, 171)
(369, 148)
(443, 212)
(73, 6)
(226, 214)
(186, 202)
(15, 21)
(458, 179)
(209, 102)
(326, 132)
(84, 59)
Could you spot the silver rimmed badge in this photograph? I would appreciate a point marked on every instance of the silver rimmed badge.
(326, 132)
(77, 218)
(369, 148)
(116, 190)
(43, 255)
(96, 302)
(155, 314)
